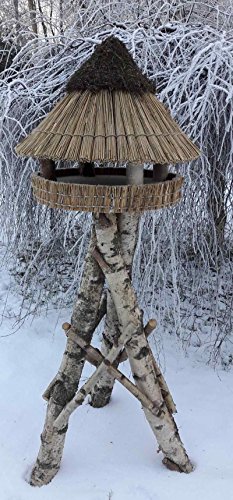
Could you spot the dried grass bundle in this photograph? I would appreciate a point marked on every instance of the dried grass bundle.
(107, 198)
(109, 126)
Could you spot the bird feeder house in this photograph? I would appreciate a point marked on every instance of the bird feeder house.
(110, 123)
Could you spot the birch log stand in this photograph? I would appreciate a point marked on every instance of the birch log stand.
(109, 114)
(109, 257)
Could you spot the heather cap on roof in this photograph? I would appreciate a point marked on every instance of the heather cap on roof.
(110, 67)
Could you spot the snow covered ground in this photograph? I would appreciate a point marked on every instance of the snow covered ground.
(110, 453)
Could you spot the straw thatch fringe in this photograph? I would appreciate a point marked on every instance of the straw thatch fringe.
(107, 199)
(110, 67)
(109, 126)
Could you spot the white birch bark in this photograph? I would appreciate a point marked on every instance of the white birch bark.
(64, 385)
(128, 232)
(141, 360)
(95, 357)
(117, 352)
(102, 390)
(132, 335)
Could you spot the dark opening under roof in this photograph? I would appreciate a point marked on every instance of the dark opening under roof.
(110, 67)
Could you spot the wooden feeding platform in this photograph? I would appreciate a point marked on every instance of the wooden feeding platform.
(109, 114)
(107, 191)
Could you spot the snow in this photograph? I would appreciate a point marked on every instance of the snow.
(110, 453)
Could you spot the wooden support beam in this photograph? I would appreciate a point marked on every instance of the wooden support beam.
(148, 329)
(95, 357)
(48, 169)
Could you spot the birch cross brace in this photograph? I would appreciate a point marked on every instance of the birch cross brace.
(95, 357)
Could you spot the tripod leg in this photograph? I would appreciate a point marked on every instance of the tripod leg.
(102, 391)
(128, 233)
(64, 385)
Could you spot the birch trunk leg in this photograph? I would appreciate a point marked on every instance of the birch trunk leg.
(141, 360)
(64, 385)
(128, 232)
(102, 390)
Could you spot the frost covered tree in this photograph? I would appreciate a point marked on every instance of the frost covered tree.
(183, 262)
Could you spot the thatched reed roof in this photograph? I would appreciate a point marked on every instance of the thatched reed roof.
(97, 123)
(109, 126)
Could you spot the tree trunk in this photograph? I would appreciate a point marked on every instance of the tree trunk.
(44, 27)
(17, 23)
(32, 13)
(64, 385)
(61, 17)
(128, 231)
(217, 206)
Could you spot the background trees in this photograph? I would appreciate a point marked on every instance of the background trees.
(183, 262)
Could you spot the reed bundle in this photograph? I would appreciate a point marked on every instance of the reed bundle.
(109, 126)
(105, 198)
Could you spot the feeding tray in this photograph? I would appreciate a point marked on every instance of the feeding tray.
(106, 192)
